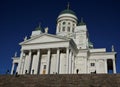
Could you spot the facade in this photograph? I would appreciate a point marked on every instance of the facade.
(69, 51)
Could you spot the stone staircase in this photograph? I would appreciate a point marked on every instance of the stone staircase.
(61, 80)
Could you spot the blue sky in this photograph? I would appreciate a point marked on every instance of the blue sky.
(18, 18)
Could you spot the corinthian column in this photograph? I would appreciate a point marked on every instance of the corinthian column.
(19, 68)
(13, 65)
(70, 62)
(29, 61)
(67, 60)
(48, 62)
(114, 66)
(58, 61)
(37, 63)
(106, 69)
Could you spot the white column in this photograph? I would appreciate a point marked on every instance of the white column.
(29, 61)
(37, 63)
(13, 65)
(73, 64)
(70, 62)
(106, 69)
(114, 66)
(67, 60)
(19, 64)
(23, 64)
(58, 61)
(48, 62)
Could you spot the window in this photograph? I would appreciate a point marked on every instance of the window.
(68, 23)
(68, 29)
(64, 23)
(63, 29)
(44, 66)
(72, 29)
(73, 24)
(92, 64)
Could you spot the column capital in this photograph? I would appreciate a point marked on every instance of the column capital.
(113, 59)
(105, 59)
(38, 50)
(49, 49)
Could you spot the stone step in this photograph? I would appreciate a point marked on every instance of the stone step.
(61, 80)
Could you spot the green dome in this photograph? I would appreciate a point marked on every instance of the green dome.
(68, 11)
(39, 28)
(81, 22)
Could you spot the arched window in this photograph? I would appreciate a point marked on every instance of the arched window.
(63, 29)
(68, 29)
(64, 23)
(68, 23)
(73, 25)
(72, 29)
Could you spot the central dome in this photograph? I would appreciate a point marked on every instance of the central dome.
(67, 11)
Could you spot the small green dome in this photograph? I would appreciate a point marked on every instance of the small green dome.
(39, 28)
(68, 11)
(81, 22)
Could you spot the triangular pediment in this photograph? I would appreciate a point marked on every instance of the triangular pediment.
(45, 38)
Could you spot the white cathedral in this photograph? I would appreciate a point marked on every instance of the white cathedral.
(69, 51)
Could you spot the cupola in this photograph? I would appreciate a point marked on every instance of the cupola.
(66, 21)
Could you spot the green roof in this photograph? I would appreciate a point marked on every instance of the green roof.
(68, 11)
(39, 28)
(81, 22)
